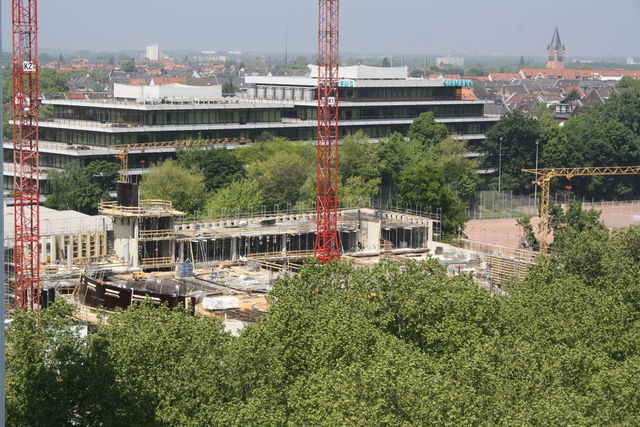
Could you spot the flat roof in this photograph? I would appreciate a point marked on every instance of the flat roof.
(187, 104)
(311, 82)
(55, 222)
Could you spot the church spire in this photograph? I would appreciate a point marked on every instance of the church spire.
(556, 44)
(556, 53)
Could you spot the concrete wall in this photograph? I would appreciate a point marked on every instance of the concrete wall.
(125, 241)
(74, 249)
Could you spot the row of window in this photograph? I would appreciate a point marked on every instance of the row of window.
(401, 93)
(150, 118)
(397, 112)
(76, 137)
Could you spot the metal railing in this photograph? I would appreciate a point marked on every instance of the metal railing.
(277, 210)
(146, 207)
(156, 234)
(156, 262)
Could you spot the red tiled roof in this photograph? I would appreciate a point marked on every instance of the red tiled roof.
(76, 96)
(468, 95)
(140, 82)
(494, 77)
(530, 73)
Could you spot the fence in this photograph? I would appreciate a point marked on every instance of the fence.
(308, 208)
(505, 204)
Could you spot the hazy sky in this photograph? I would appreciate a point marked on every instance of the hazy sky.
(513, 27)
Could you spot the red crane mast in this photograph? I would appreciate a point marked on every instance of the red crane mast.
(26, 184)
(327, 245)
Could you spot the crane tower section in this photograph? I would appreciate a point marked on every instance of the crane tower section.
(26, 187)
(327, 245)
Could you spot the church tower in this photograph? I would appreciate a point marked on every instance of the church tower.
(555, 53)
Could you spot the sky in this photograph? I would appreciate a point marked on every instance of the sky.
(588, 28)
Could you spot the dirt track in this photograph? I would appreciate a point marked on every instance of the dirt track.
(505, 232)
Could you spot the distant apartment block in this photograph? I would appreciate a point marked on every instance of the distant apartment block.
(450, 60)
(153, 52)
(630, 60)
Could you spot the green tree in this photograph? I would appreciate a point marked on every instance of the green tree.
(394, 154)
(458, 167)
(355, 191)
(220, 167)
(554, 150)
(128, 67)
(170, 181)
(358, 158)
(513, 139)
(395, 343)
(529, 239)
(426, 130)
(573, 96)
(280, 177)
(41, 347)
(628, 82)
(241, 196)
(81, 188)
(52, 82)
(169, 366)
(423, 184)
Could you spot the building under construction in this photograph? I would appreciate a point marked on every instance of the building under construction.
(133, 238)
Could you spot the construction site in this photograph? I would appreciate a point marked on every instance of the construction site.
(140, 250)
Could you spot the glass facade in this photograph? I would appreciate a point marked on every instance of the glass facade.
(177, 117)
(308, 132)
(401, 94)
(396, 112)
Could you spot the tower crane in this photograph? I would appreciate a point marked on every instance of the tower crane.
(327, 245)
(543, 180)
(26, 182)
(125, 149)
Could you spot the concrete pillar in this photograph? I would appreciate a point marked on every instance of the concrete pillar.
(70, 253)
(234, 248)
(43, 249)
(283, 242)
(430, 226)
(133, 244)
(54, 250)
(127, 258)
(181, 252)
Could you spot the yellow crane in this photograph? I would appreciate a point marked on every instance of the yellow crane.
(543, 180)
(125, 149)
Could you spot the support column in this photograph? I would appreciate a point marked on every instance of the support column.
(134, 253)
(43, 249)
(54, 250)
(234, 248)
